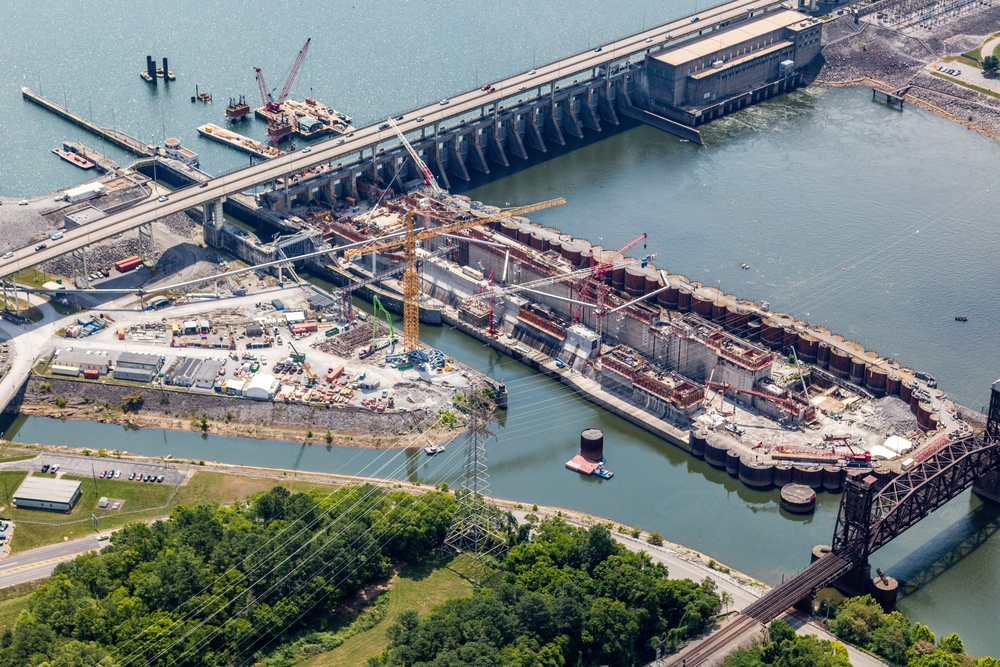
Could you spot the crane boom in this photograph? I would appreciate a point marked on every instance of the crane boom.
(411, 281)
(600, 271)
(429, 179)
(293, 73)
(265, 97)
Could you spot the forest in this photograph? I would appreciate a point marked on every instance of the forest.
(230, 585)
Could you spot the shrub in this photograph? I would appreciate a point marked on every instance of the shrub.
(655, 539)
(60, 402)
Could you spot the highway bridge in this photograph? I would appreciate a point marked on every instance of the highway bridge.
(425, 120)
(871, 515)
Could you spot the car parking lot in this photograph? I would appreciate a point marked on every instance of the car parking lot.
(102, 468)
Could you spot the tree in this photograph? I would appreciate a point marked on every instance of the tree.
(991, 64)
(856, 619)
(610, 631)
(952, 644)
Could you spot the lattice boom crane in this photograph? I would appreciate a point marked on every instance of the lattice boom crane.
(429, 179)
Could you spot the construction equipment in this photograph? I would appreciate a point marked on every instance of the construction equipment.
(411, 284)
(429, 179)
(854, 459)
(800, 412)
(598, 276)
(296, 356)
(376, 308)
(279, 127)
(313, 378)
(348, 289)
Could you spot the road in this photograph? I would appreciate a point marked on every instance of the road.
(369, 137)
(39, 563)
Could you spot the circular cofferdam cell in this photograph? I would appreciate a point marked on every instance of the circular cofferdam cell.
(893, 385)
(840, 363)
(883, 475)
(808, 348)
(715, 454)
(697, 441)
(914, 402)
(539, 242)
(833, 478)
(857, 370)
(875, 380)
(932, 422)
(668, 298)
(684, 300)
(719, 309)
(791, 339)
(733, 462)
(782, 474)
(905, 391)
(509, 229)
(618, 278)
(524, 234)
(885, 591)
(592, 444)
(753, 331)
(737, 319)
(823, 355)
(811, 476)
(756, 474)
(772, 334)
(702, 306)
(798, 499)
(924, 413)
(635, 281)
(820, 551)
(652, 282)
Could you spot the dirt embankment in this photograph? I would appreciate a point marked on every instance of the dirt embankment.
(869, 55)
(77, 399)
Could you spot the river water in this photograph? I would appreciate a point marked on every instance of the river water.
(869, 221)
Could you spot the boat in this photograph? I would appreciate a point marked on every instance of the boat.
(961, 318)
(431, 450)
(73, 158)
(145, 75)
(745, 266)
(603, 473)
(238, 141)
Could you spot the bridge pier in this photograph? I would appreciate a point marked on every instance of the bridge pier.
(570, 123)
(455, 160)
(514, 143)
(351, 186)
(987, 487)
(605, 106)
(495, 147)
(476, 157)
(147, 243)
(533, 134)
(552, 126)
(78, 259)
(10, 294)
(590, 119)
(442, 176)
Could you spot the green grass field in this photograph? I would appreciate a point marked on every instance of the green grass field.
(418, 588)
(14, 600)
(140, 501)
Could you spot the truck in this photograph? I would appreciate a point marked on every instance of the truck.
(128, 263)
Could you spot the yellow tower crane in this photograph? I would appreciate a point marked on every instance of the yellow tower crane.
(411, 282)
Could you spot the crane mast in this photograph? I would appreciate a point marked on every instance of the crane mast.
(411, 281)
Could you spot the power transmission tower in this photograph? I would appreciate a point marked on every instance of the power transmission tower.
(478, 526)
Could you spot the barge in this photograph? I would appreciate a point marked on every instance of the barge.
(74, 159)
(238, 141)
(309, 119)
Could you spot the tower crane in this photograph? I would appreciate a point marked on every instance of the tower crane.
(429, 179)
(599, 273)
(411, 282)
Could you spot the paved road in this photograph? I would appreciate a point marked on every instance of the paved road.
(368, 137)
(39, 563)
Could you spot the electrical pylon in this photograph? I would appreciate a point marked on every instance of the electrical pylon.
(478, 526)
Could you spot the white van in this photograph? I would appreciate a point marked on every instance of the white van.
(56, 235)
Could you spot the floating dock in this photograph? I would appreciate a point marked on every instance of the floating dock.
(120, 139)
(309, 119)
(74, 159)
(238, 141)
(103, 163)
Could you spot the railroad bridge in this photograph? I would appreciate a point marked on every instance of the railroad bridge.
(871, 515)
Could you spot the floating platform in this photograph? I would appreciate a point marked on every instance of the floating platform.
(238, 141)
(74, 159)
(309, 119)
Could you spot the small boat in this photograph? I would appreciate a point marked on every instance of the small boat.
(603, 473)
(145, 75)
(431, 450)
(961, 318)
(745, 266)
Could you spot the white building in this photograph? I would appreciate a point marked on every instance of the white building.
(45, 493)
(263, 387)
(83, 192)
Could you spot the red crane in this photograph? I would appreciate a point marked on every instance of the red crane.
(271, 104)
(598, 274)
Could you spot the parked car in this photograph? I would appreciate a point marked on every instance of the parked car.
(132, 476)
(118, 473)
(159, 478)
(54, 468)
(45, 467)
(104, 473)
(116, 505)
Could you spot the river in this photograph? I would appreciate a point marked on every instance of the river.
(874, 223)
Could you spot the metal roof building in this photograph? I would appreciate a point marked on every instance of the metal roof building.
(142, 361)
(45, 493)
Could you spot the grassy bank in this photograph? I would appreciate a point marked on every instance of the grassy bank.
(140, 502)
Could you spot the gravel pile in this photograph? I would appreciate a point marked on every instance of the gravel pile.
(99, 256)
(22, 225)
(889, 415)
(180, 225)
